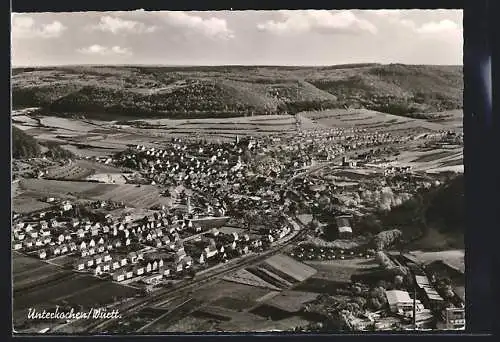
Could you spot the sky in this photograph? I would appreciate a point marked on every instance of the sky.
(285, 37)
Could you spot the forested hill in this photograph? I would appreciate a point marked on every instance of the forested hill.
(237, 90)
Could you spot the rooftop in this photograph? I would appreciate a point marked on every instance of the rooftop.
(397, 296)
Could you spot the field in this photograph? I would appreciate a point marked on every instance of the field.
(228, 289)
(79, 169)
(275, 273)
(25, 120)
(66, 124)
(247, 278)
(292, 301)
(103, 138)
(25, 203)
(56, 292)
(64, 260)
(333, 274)
(68, 172)
(144, 196)
(42, 285)
(29, 272)
(271, 277)
(452, 257)
(229, 230)
(373, 120)
(239, 322)
(290, 267)
(435, 160)
(111, 178)
(101, 294)
(187, 324)
(341, 270)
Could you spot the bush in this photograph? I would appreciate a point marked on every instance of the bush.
(398, 281)
(387, 238)
(57, 152)
(375, 304)
(383, 260)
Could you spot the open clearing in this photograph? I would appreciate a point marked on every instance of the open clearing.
(239, 322)
(333, 274)
(228, 289)
(341, 270)
(452, 257)
(229, 230)
(372, 120)
(75, 290)
(246, 278)
(29, 271)
(68, 172)
(101, 295)
(254, 323)
(292, 301)
(435, 160)
(67, 124)
(24, 204)
(144, 196)
(291, 267)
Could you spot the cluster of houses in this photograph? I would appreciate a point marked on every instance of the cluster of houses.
(218, 246)
(221, 170)
(123, 267)
(188, 162)
(115, 246)
(394, 170)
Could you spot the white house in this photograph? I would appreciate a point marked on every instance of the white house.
(79, 265)
(400, 302)
(98, 270)
(123, 261)
(98, 259)
(153, 279)
(119, 275)
(67, 206)
(129, 274)
(42, 254)
(139, 270)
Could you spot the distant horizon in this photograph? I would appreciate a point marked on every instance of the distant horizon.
(225, 65)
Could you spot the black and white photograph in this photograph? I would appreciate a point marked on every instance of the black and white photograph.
(237, 171)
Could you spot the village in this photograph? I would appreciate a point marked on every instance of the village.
(231, 200)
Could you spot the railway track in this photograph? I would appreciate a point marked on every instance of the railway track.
(165, 295)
